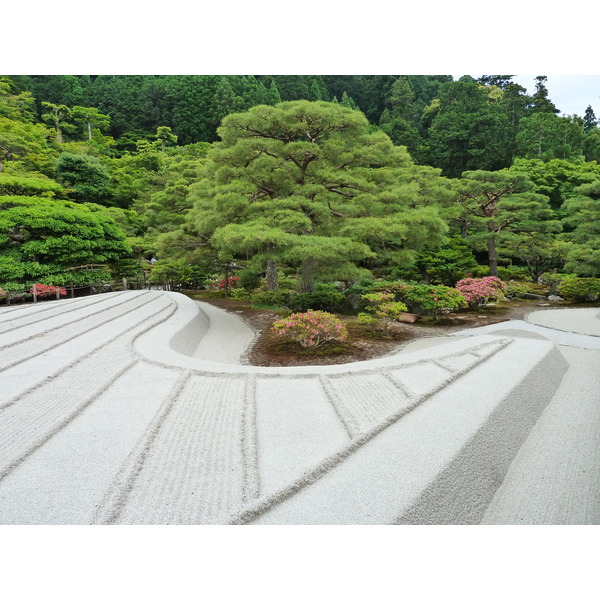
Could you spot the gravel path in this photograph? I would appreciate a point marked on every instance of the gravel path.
(136, 408)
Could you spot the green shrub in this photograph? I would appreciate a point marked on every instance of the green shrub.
(250, 278)
(579, 289)
(517, 289)
(552, 280)
(270, 299)
(325, 297)
(514, 273)
(381, 309)
(434, 299)
(240, 294)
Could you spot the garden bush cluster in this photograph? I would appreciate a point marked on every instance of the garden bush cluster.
(579, 289)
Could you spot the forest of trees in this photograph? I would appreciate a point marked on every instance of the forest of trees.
(304, 178)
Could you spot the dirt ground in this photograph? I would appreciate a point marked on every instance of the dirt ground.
(362, 345)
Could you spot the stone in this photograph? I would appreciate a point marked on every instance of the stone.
(408, 318)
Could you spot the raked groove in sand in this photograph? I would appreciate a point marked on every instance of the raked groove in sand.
(135, 408)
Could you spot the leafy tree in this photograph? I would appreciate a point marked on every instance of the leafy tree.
(546, 136)
(27, 145)
(583, 221)
(589, 120)
(557, 178)
(60, 89)
(348, 102)
(165, 137)
(29, 186)
(500, 81)
(591, 145)
(446, 264)
(514, 102)
(498, 203)
(58, 116)
(399, 119)
(540, 102)
(540, 252)
(41, 237)
(468, 130)
(85, 175)
(15, 105)
(307, 183)
(91, 117)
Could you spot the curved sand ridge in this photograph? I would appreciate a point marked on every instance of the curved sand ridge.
(134, 408)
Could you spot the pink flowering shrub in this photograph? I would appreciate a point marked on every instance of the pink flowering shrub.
(381, 309)
(311, 329)
(46, 290)
(479, 291)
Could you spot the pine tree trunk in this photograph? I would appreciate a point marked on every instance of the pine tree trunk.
(272, 279)
(89, 125)
(492, 256)
(424, 275)
(59, 137)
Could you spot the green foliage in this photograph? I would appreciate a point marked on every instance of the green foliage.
(27, 145)
(468, 130)
(172, 275)
(91, 118)
(498, 203)
(250, 278)
(29, 186)
(434, 299)
(579, 289)
(84, 175)
(325, 297)
(583, 219)
(381, 309)
(545, 136)
(517, 289)
(270, 299)
(308, 184)
(448, 263)
(42, 237)
(557, 178)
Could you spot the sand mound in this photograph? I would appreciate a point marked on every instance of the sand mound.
(134, 408)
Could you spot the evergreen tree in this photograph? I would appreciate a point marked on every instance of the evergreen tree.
(91, 118)
(583, 221)
(468, 129)
(545, 136)
(399, 118)
(501, 202)
(540, 102)
(589, 120)
(306, 183)
(58, 115)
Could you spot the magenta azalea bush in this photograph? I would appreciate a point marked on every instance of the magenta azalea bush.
(479, 291)
(311, 329)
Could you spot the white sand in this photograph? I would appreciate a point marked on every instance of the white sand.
(135, 408)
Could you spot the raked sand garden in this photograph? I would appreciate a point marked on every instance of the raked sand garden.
(136, 408)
